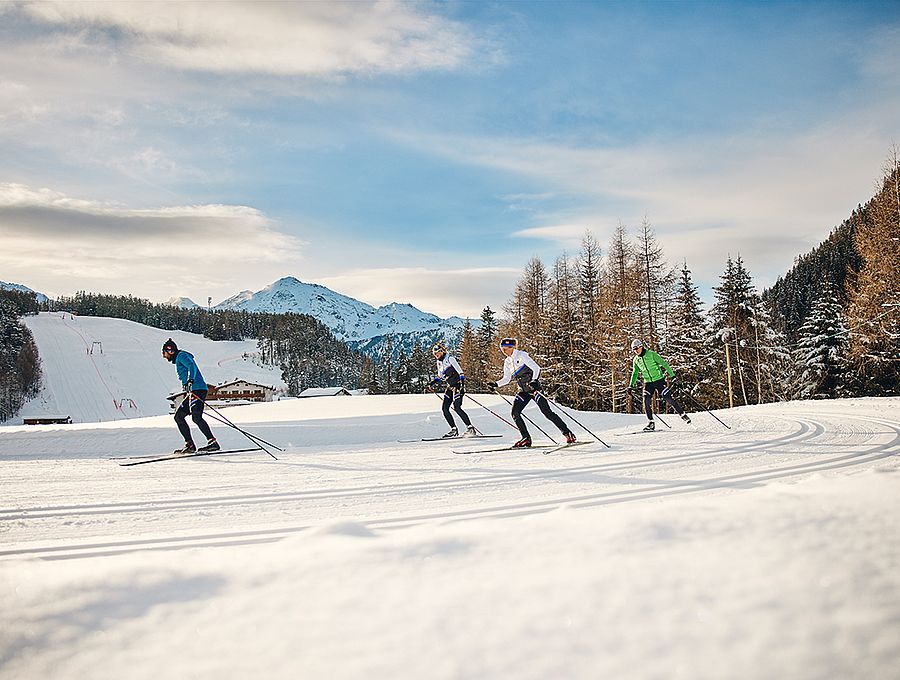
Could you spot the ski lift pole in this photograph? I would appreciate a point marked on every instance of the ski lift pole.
(572, 418)
(528, 419)
(252, 437)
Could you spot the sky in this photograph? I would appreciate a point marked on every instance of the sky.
(423, 152)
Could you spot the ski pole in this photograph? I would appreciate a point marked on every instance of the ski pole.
(219, 416)
(252, 437)
(697, 403)
(491, 412)
(529, 420)
(557, 405)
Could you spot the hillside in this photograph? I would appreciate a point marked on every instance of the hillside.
(97, 369)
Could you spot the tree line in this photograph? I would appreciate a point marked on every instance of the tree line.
(20, 365)
(830, 327)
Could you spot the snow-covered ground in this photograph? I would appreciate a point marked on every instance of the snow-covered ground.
(771, 550)
(99, 369)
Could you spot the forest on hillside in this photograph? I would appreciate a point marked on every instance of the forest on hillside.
(830, 327)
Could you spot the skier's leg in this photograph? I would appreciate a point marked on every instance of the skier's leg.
(648, 399)
(670, 400)
(181, 420)
(544, 405)
(445, 407)
(520, 402)
(197, 414)
(457, 406)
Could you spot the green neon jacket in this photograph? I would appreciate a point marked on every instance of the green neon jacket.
(650, 366)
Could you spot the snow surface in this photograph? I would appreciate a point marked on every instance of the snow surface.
(98, 369)
(771, 550)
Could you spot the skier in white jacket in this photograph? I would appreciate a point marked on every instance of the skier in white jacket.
(522, 368)
(450, 372)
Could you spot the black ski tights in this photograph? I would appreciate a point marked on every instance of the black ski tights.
(455, 397)
(196, 411)
(660, 387)
(522, 399)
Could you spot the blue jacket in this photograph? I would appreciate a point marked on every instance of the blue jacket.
(188, 371)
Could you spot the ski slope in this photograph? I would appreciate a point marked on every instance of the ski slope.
(770, 550)
(97, 369)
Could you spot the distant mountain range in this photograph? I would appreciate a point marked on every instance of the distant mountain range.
(22, 289)
(349, 319)
(360, 325)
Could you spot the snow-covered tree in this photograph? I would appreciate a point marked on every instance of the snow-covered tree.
(820, 350)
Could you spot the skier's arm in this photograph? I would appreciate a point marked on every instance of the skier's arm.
(457, 367)
(662, 362)
(507, 375)
(635, 371)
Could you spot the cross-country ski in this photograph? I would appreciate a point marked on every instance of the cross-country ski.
(462, 437)
(181, 456)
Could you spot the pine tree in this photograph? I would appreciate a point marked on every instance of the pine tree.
(687, 341)
(486, 343)
(820, 350)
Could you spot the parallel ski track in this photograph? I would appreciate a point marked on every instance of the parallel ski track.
(493, 478)
(808, 431)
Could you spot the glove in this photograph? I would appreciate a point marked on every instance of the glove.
(492, 384)
(435, 383)
(670, 381)
(533, 386)
(189, 386)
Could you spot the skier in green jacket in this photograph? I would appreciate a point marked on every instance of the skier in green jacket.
(653, 370)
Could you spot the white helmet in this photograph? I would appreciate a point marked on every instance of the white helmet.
(636, 343)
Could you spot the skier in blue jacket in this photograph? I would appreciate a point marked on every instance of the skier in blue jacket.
(196, 389)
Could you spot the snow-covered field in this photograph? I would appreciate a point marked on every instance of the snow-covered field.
(98, 369)
(771, 550)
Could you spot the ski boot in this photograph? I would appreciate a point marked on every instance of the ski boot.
(523, 443)
(650, 427)
(452, 433)
(211, 445)
(188, 448)
(685, 418)
(471, 431)
(570, 437)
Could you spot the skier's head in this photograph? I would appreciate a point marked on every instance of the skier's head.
(169, 349)
(439, 349)
(637, 345)
(507, 345)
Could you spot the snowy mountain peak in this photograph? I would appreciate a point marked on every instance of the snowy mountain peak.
(349, 319)
(183, 302)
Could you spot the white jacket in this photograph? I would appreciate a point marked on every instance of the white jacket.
(520, 367)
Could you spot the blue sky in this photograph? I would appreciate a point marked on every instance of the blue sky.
(423, 152)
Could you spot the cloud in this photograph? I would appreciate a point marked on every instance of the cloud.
(278, 38)
(768, 194)
(59, 244)
(445, 292)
